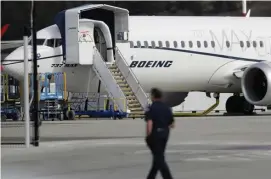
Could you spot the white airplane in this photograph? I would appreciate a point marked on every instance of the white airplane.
(175, 54)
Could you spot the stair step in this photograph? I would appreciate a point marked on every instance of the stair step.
(121, 82)
(132, 100)
(130, 97)
(116, 73)
(113, 67)
(114, 70)
(125, 89)
(138, 114)
(123, 85)
(117, 78)
(134, 105)
(135, 109)
(128, 93)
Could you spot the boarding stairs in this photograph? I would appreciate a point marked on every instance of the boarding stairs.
(121, 83)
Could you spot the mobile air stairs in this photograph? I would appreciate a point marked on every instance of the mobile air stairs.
(92, 36)
(121, 83)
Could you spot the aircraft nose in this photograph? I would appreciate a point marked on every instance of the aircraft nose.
(18, 54)
(13, 63)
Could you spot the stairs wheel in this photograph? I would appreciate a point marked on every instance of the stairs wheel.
(70, 115)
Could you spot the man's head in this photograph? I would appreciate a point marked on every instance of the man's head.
(156, 94)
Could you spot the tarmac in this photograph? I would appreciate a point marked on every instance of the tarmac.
(199, 148)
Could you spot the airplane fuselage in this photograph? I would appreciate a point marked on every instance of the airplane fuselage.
(176, 54)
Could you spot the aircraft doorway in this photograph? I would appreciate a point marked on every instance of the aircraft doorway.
(100, 43)
(106, 16)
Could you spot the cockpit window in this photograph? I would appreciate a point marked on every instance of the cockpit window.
(58, 42)
(53, 43)
(50, 43)
(39, 42)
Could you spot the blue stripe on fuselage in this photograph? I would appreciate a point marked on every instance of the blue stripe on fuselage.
(205, 53)
(169, 49)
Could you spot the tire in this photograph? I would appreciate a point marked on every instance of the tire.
(231, 104)
(70, 114)
(247, 107)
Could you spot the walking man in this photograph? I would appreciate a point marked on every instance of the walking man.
(159, 119)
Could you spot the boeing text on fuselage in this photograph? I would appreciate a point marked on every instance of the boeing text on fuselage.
(150, 64)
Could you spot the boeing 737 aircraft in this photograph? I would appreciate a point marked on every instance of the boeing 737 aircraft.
(176, 54)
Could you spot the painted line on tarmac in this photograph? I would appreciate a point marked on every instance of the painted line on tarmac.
(134, 142)
(56, 146)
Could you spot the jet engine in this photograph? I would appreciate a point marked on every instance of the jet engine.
(174, 98)
(256, 84)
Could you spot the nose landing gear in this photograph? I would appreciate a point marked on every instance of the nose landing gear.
(238, 104)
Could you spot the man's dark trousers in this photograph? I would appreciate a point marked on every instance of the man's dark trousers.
(157, 143)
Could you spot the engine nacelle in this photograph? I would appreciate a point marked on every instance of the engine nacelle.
(256, 84)
(174, 98)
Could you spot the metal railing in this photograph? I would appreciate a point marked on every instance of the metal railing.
(131, 79)
(115, 106)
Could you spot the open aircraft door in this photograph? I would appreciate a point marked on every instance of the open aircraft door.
(69, 25)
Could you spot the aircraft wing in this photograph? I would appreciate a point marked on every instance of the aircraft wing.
(230, 73)
(11, 44)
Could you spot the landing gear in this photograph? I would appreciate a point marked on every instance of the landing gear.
(238, 104)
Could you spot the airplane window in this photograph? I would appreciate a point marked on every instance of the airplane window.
(241, 44)
(228, 44)
(175, 44)
(205, 44)
(58, 42)
(190, 44)
(153, 44)
(254, 44)
(160, 43)
(39, 42)
(131, 44)
(182, 44)
(167, 44)
(261, 43)
(138, 44)
(248, 44)
(198, 44)
(146, 44)
(213, 44)
(50, 42)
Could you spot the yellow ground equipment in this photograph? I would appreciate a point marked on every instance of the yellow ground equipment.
(207, 111)
(3, 91)
(10, 89)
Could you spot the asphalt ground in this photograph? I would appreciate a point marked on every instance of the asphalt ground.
(199, 148)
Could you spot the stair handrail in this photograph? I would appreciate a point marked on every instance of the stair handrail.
(119, 107)
(134, 76)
